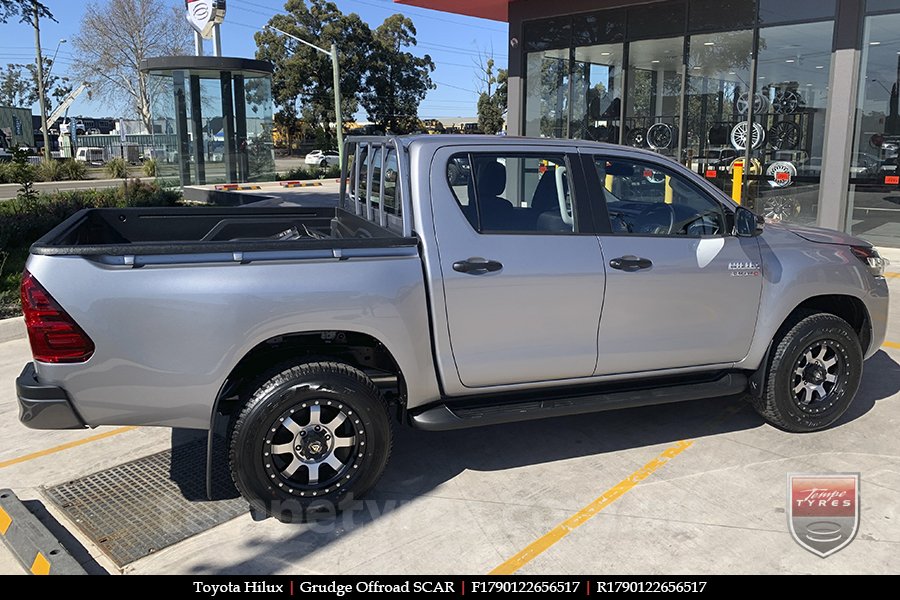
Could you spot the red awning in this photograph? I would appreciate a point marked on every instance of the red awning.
(486, 9)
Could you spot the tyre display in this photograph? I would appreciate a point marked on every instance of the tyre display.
(739, 135)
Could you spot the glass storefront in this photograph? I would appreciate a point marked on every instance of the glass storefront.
(874, 203)
(792, 80)
(677, 80)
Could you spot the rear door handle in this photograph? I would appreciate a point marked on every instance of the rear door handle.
(477, 265)
(630, 263)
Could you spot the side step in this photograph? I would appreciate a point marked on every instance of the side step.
(491, 411)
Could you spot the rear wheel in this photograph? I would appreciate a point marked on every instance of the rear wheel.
(312, 438)
(813, 375)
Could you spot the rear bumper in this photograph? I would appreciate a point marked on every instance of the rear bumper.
(44, 406)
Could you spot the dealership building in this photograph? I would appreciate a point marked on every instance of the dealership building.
(804, 93)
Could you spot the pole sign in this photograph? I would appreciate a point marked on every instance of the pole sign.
(204, 15)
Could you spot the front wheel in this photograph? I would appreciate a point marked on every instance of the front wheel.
(312, 438)
(813, 375)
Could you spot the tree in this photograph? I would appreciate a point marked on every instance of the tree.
(19, 85)
(24, 9)
(492, 102)
(398, 80)
(303, 74)
(115, 36)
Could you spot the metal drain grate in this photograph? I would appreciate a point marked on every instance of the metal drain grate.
(137, 508)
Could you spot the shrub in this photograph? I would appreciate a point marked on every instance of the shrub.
(50, 170)
(72, 170)
(147, 194)
(117, 168)
(150, 167)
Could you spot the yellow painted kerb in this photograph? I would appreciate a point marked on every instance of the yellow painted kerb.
(5, 521)
(537, 547)
(40, 566)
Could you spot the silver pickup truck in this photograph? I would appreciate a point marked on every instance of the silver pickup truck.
(461, 281)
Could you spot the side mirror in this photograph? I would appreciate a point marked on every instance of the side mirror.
(747, 223)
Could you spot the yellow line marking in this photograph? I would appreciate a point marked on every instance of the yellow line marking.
(5, 521)
(66, 446)
(892, 274)
(893, 345)
(537, 547)
(40, 566)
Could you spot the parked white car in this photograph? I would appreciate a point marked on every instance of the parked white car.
(322, 159)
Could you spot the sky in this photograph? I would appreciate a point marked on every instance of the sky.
(454, 43)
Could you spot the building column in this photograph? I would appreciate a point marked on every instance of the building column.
(229, 156)
(516, 81)
(843, 88)
(840, 121)
(181, 128)
(197, 130)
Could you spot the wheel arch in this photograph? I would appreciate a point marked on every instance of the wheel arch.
(361, 350)
(847, 307)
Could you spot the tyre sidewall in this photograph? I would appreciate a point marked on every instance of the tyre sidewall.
(845, 342)
(274, 398)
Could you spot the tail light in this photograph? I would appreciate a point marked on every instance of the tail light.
(870, 257)
(55, 337)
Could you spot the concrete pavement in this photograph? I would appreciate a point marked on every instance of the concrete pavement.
(466, 501)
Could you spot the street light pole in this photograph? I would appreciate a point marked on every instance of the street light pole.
(42, 100)
(53, 62)
(336, 73)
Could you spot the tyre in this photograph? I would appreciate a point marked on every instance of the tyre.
(312, 438)
(813, 374)
(323, 164)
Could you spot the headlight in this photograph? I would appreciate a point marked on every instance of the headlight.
(870, 257)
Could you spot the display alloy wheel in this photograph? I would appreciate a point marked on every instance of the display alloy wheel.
(739, 136)
(784, 135)
(780, 208)
(660, 136)
(311, 438)
(781, 173)
(760, 103)
(812, 375)
(787, 102)
(637, 137)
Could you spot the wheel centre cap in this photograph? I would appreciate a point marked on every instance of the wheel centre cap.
(312, 445)
(814, 374)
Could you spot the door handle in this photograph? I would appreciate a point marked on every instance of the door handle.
(477, 265)
(630, 263)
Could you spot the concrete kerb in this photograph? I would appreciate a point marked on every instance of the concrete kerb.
(12, 329)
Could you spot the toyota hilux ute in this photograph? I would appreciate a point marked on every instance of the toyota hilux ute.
(461, 281)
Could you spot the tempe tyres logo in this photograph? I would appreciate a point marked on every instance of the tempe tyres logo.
(204, 15)
(823, 510)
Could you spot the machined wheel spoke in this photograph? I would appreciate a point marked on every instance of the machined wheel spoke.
(286, 448)
(292, 468)
(334, 462)
(799, 371)
(291, 425)
(830, 378)
(820, 391)
(344, 442)
(809, 357)
(830, 362)
(337, 421)
(799, 387)
(804, 395)
(315, 415)
(313, 469)
(822, 350)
